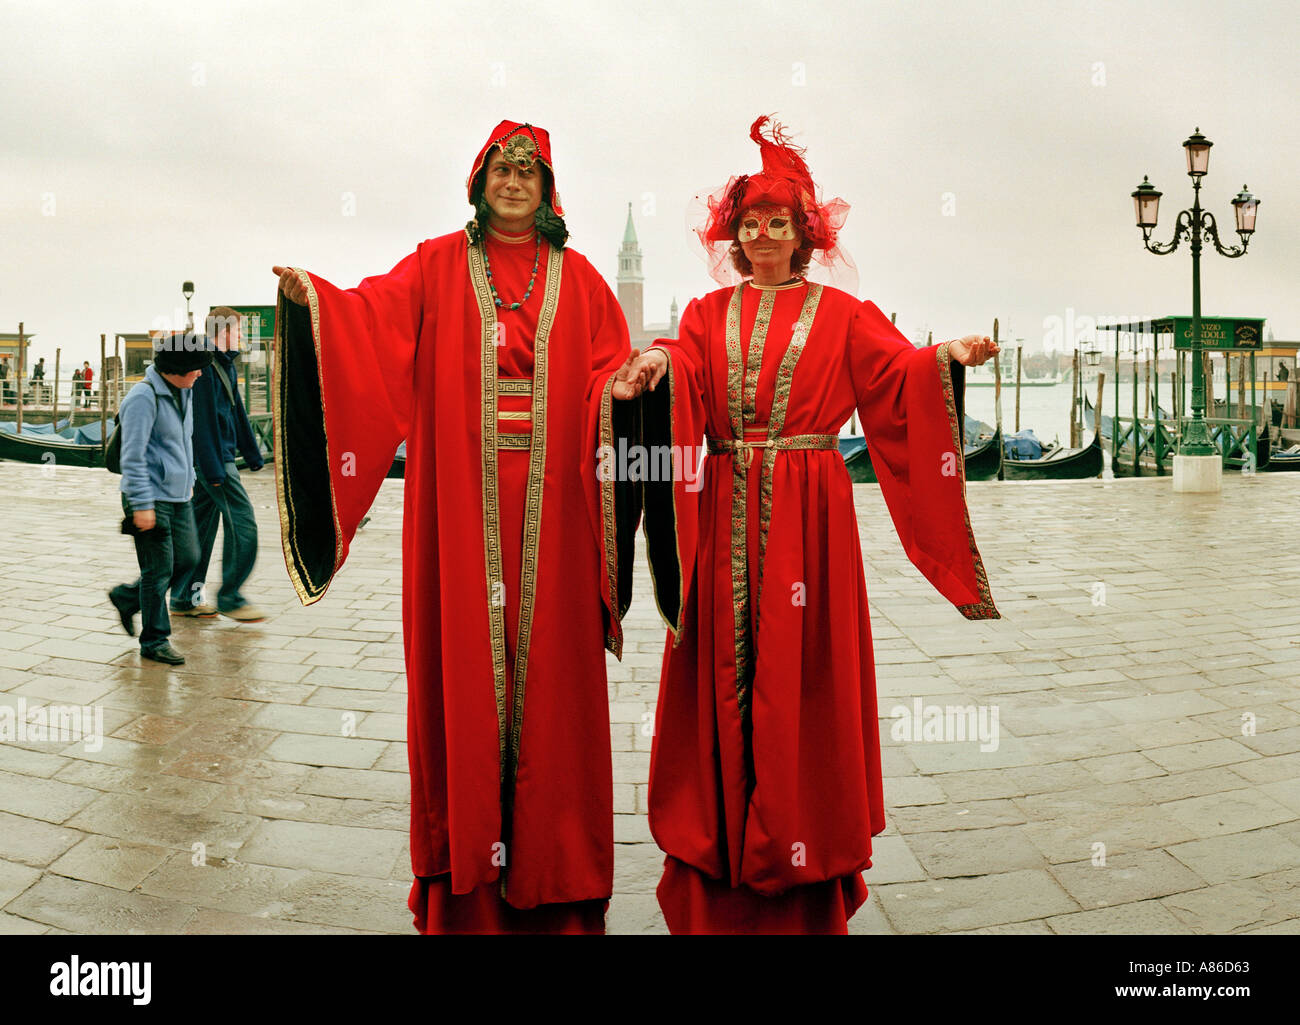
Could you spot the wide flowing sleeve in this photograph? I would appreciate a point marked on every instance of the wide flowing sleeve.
(613, 499)
(910, 402)
(672, 422)
(343, 397)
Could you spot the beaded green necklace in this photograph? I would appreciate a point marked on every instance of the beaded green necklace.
(487, 265)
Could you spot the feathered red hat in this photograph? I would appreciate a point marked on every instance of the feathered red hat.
(523, 145)
(784, 181)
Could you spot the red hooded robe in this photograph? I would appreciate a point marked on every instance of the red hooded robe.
(515, 576)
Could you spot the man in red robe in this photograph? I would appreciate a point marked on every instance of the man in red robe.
(496, 353)
(765, 779)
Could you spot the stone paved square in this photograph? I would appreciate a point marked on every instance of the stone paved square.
(262, 788)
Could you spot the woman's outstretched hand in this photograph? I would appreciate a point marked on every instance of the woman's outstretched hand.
(642, 370)
(628, 382)
(973, 350)
(290, 285)
(654, 364)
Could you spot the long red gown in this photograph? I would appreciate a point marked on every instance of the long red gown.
(765, 781)
(515, 577)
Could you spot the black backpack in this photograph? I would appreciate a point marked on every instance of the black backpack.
(113, 450)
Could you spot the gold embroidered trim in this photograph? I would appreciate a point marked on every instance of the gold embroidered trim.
(754, 359)
(533, 504)
(613, 639)
(719, 446)
(776, 422)
(491, 441)
(521, 414)
(513, 441)
(739, 502)
(741, 406)
(984, 608)
(309, 591)
(514, 385)
(491, 496)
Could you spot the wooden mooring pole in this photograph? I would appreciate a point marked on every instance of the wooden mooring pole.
(997, 403)
(18, 373)
(55, 414)
(103, 396)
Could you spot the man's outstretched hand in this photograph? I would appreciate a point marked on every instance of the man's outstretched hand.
(630, 380)
(290, 285)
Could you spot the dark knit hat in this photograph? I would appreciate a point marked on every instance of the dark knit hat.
(179, 352)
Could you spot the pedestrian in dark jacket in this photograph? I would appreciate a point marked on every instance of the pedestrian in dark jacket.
(221, 434)
(157, 424)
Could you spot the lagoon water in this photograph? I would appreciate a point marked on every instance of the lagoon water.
(1046, 411)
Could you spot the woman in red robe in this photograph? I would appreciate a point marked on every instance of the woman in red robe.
(496, 353)
(765, 783)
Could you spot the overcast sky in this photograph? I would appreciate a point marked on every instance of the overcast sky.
(146, 144)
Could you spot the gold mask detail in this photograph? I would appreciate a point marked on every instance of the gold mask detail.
(776, 222)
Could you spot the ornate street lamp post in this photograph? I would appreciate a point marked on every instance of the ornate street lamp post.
(1195, 439)
(187, 290)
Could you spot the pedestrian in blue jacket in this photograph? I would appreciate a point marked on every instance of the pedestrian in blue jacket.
(221, 434)
(157, 423)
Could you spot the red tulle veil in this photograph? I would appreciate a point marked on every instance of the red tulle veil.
(784, 181)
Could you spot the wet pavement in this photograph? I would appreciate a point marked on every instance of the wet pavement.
(1146, 776)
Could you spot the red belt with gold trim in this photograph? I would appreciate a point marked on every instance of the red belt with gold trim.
(717, 446)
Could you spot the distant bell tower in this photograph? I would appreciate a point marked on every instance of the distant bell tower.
(673, 319)
(630, 281)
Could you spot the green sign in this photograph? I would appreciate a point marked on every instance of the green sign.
(1216, 332)
(258, 324)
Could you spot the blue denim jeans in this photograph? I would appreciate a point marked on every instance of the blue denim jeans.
(230, 505)
(166, 556)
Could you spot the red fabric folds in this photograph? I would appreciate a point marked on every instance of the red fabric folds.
(439, 911)
(402, 356)
(694, 904)
(790, 794)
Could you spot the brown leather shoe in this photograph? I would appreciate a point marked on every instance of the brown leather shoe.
(199, 611)
(246, 614)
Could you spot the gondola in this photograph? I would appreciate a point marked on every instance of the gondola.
(1059, 464)
(1284, 461)
(1263, 451)
(71, 446)
(49, 449)
(981, 459)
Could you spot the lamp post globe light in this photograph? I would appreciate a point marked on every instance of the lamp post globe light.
(1197, 463)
